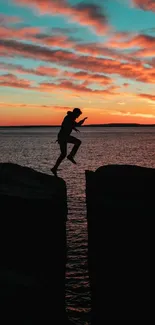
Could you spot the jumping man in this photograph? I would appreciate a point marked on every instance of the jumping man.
(64, 137)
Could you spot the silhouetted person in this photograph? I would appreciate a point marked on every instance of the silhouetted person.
(64, 137)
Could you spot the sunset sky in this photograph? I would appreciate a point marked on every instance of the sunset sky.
(98, 55)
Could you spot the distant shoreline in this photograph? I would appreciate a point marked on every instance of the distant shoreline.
(88, 125)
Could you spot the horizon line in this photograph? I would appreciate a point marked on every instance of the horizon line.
(86, 125)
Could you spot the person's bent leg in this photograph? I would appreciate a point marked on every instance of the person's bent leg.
(75, 148)
(63, 148)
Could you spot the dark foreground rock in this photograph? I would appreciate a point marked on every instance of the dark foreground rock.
(120, 213)
(33, 209)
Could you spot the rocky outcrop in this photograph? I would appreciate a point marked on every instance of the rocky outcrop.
(120, 215)
(33, 246)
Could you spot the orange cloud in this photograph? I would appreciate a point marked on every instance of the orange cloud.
(57, 41)
(79, 88)
(99, 50)
(39, 71)
(140, 41)
(145, 4)
(28, 106)
(126, 84)
(54, 72)
(26, 33)
(36, 34)
(144, 53)
(10, 80)
(85, 14)
(145, 115)
(36, 51)
(62, 41)
(135, 71)
(87, 77)
(131, 71)
(147, 96)
(47, 71)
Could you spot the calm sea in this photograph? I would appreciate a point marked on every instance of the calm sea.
(36, 148)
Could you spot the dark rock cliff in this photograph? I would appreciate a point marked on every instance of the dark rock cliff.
(33, 246)
(120, 214)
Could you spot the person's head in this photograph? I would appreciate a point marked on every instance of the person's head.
(77, 112)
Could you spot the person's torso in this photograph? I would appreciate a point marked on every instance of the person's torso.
(66, 126)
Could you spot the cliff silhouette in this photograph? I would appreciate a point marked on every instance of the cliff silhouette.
(120, 216)
(120, 219)
(33, 246)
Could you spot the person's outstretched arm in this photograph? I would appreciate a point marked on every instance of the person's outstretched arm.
(81, 122)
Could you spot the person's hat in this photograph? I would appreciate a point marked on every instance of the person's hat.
(77, 110)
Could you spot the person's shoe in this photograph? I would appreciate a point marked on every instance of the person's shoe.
(54, 171)
(71, 159)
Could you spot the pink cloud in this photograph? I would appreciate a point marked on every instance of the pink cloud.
(133, 71)
(140, 41)
(85, 14)
(55, 41)
(48, 71)
(143, 41)
(88, 78)
(22, 33)
(39, 71)
(91, 15)
(36, 51)
(145, 4)
(78, 88)
(10, 80)
(61, 74)
(63, 41)
(5, 19)
(96, 49)
(35, 34)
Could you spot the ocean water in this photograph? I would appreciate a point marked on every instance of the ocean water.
(36, 148)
